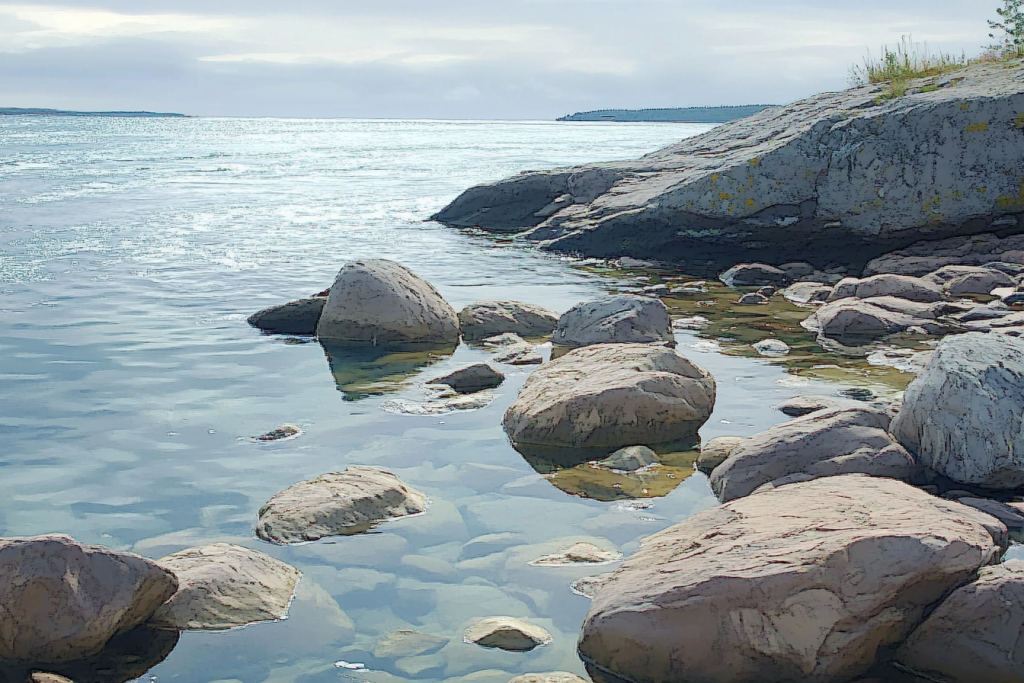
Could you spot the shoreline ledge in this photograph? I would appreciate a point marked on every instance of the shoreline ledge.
(837, 179)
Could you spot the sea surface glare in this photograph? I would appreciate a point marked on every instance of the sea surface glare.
(131, 252)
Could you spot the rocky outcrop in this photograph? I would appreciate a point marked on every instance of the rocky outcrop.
(490, 318)
(224, 586)
(506, 633)
(822, 444)
(622, 319)
(804, 583)
(963, 415)
(296, 317)
(377, 302)
(611, 396)
(928, 256)
(61, 600)
(975, 634)
(468, 380)
(804, 182)
(900, 286)
(341, 503)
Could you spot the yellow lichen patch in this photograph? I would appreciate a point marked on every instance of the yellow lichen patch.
(1011, 201)
(1019, 121)
(714, 177)
(731, 208)
(977, 127)
(755, 161)
(981, 190)
(932, 204)
(724, 196)
(750, 202)
(965, 107)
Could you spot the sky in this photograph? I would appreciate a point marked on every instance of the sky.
(452, 59)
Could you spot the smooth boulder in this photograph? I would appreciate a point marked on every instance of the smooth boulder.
(61, 600)
(753, 275)
(630, 459)
(805, 583)
(611, 396)
(974, 634)
(468, 380)
(484, 319)
(978, 283)
(899, 286)
(622, 319)
(506, 633)
(963, 415)
(222, 586)
(296, 317)
(340, 503)
(714, 452)
(861, 320)
(376, 301)
(807, 292)
(822, 444)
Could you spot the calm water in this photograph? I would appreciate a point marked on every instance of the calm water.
(132, 250)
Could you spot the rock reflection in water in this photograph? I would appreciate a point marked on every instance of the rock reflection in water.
(575, 473)
(361, 370)
(125, 658)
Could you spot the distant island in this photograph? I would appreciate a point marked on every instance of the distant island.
(15, 111)
(683, 115)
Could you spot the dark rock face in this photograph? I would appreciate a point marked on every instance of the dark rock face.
(795, 183)
(296, 317)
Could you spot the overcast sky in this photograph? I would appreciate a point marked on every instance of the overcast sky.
(487, 59)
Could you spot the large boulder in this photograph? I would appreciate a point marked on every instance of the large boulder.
(863, 320)
(795, 183)
(490, 318)
(61, 600)
(375, 301)
(296, 317)
(900, 286)
(473, 378)
(621, 319)
(224, 586)
(963, 415)
(340, 503)
(803, 583)
(978, 283)
(822, 444)
(611, 396)
(975, 633)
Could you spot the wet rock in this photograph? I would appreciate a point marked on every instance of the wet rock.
(339, 503)
(764, 593)
(863, 320)
(519, 355)
(615, 320)
(822, 444)
(441, 405)
(553, 677)
(963, 415)
(714, 452)
(506, 633)
(807, 292)
(98, 593)
(805, 405)
(282, 433)
(472, 379)
(974, 634)
(610, 396)
(588, 586)
(899, 286)
(753, 275)
(578, 554)
(697, 322)
(408, 643)
(375, 301)
(630, 459)
(296, 317)
(223, 586)
(752, 299)
(485, 319)
(771, 347)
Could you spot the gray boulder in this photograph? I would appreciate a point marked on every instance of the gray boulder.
(793, 183)
(805, 405)
(805, 583)
(927, 256)
(978, 283)
(822, 444)
(963, 415)
(375, 301)
(752, 299)
(941, 276)
(974, 634)
(340, 503)
(900, 286)
(469, 380)
(753, 275)
(807, 292)
(485, 319)
(771, 347)
(715, 451)
(296, 317)
(611, 396)
(630, 459)
(861, 320)
(61, 600)
(622, 319)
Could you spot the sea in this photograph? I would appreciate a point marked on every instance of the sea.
(132, 389)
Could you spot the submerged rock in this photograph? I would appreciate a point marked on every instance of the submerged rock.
(296, 317)
(489, 318)
(375, 301)
(339, 503)
(974, 634)
(440, 405)
(578, 554)
(506, 633)
(61, 600)
(282, 433)
(714, 452)
(610, 396)
(963, 415)
(223, 586)
(822, 444)
(630, 459)
(621, 319)
(408, 643)
(472, 379)
(805, 583)
(588, 586)
(553, 677)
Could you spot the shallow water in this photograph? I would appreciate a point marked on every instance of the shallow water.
(131, 251)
